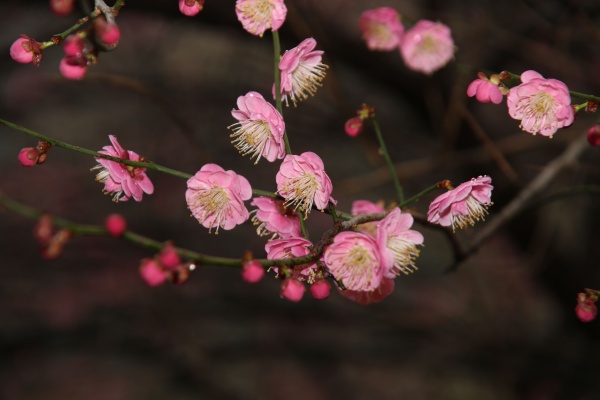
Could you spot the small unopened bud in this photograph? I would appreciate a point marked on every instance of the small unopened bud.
(586, 311)
(292, 290)
(321, 289)
(190, 7)
(28, 156)
(168, 256)
(115, 225)
(73, 46)
(593, 135)
(252, 271)
(25, 50)
(108, 34)
(73, 67)
(152, 273)
(354, 126)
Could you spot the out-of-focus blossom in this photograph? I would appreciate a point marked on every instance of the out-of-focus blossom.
(260, 128)
(73, 68)
(593, 135)
(108, 33)
(301, 72)
(291, 248)
(191, 7)
(25, 50)
(302, 182)
(152, 272)
(381, 28)
(320, 289)
(354, 259)
(273, 218)
(427, 46)
(398, 243)
(257, 16)
(168, 256)
(62, 8)
(115, 225)
(55, 246)
(292, 290)
(354, 126)
(252, 271)
(542, 105)
(462, 206)
(367, 207)
(586, 309)
(487, 90)
(122, 181)
(216, 197)
(385, 288)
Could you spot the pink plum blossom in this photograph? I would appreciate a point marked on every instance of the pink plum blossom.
(367, 207)
(462, 206)
(292, 290)
(486, 90)
(216, 197)
(25, 50)
(122, 181)
(291, 248)
(257, 16)
(381, 28)
(542, 105)
(252, 271)
(259, 130)
(302, 182)
(398, 243)
(385, 288)
(301, 72)
(355, 260)
(427, 46)
(273, 218)
(190, 7)
(115, 225)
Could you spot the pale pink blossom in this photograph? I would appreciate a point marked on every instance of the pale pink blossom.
(301, 72)
(122, 181)
(367, 207)
(190, 7)
(252, 271)
(385, 288)
(486, 90)
(302, 182)
(257, 16)
(381, 28)
(273, 218)
(321, 289)
(25, 50)
(216, 197)
(115, 225)
(292, 290)
(355, 260)
(542, 105)
(291, 248)
(398, 243)
(462, 206)
(259, 130)
(427, 46)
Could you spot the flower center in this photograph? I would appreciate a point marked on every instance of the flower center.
(251, 137)
(405, 253)
(359, 262)
(300, 192)
(475, 212)
(213, 205)
(259, 11)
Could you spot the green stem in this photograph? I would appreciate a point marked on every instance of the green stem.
(388, 160)
(418, 196)
(277, 74)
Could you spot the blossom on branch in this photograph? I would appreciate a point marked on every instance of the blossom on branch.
(25, 50)
(291, 248)
(301, 71)
(398, 243)
(216, 197)
(257, 16)
(259, 130)
(487, 90)
(542, 105)
(427, 46)
(273, 218)
(381, 28)
(122, 181)
(462, 206)
(302, 182)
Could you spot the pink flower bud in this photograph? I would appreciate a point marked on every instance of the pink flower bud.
(190, 7)
(28, 157)
(252, 271)
(25, 50)
(321, 289)
(152, 273)
(107, 33)
(115, 225)
(73, 46)
(169, 257)
(72, 67)
(43, 229)
(586, 310)
(593, 135)
(292, 290)
(354, 126)
(61, 8)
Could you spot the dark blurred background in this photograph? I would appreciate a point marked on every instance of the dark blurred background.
(501, 326)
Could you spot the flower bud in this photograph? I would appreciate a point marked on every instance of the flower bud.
(107, 33)
(252, 271)
(28, 156)
(115, 225)
(25, 50)
(292, 290)
(354, 126)
(73, 67)
(593, 135)
(61, 8)
(168, 256)
(73, 46)
(321, 289)
(152, 273)
(586, 311)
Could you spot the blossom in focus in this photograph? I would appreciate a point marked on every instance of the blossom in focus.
(367, 207)
(273, 218)
(216, 197)
(122, 181)
(25, 50)
(302, 182)
(257, 16)
(291, 248)
(542, 105)
(190, 7)
(301, 72)
(427, 46)
(398, 243)
(385, 288)
(462, 206)
(487, 90)
(292, 290)
(260, 128)
(381, 28)
(354, 259)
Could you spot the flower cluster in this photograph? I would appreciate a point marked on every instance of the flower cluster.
(426, 47)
